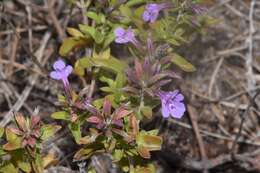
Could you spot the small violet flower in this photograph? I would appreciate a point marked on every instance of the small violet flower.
(152, 11)
(172, 104)
(125, 36)
(61, 72)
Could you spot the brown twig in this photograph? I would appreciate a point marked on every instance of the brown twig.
(55, 20)
(20, 101)
(243, 118)
(31, 55)
(13, 55)
(178, 161)
(193, 118)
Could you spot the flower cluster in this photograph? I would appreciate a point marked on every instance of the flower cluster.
(120, 92)
(152, 11)
(107, 115)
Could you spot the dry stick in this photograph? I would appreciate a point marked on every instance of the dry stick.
(13, 55)
(9, 91)
(21, 66)
(243, 118)
(193, 117)
(213, 78)
(31, 55)
(228, 98)
(55, 20)
(220, 160)
(214, 135)
(29, 11)
(21, 30)
(249, 61)
(19, 103)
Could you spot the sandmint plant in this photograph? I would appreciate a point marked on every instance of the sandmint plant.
(22, 150)
(128, 90)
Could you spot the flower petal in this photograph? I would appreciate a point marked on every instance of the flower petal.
(55, 75)
(165, 111)
(121, 40)
(119, 32)
(177, 109)
(59, 65)
(146, 16)
(68, 70)
(179, 97)
(154, 16)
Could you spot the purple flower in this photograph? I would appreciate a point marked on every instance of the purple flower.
(61, 72)
(152, 11)
(172, 103)
(125, 36)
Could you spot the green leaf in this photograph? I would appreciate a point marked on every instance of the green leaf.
(111, 63)
(2, 152)
(120, 80)
(10, 168)
(83, 153)
(81, 65)
(125, 10)
(37, 164)
(2, 130)
(48, 131)
(102, 55)
(69, 44)
(61, 115)
(94, 16)
(152, 132)
(173, 42)
(75, 130)
(26, 167)
(107, 89)
(74, 32)
(182, 63)
(148, 141)
(109, 39)
(78, 69)
(13, 141)
(95, 34)
(135, 2)
(107, 80)
(117, 155)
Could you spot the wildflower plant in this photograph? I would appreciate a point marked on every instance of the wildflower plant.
(127, 91)
(22, 150)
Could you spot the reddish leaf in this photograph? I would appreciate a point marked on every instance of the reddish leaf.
(15, 131)
(118, 123)
(138, 69)
(94, 119)
(144, 152)
(34, 121)
(121, 113)
(24, 143)
(127, 137)
(106, 107)
(21, 122)
(134, 124)
(31, 141)
(36, 133)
